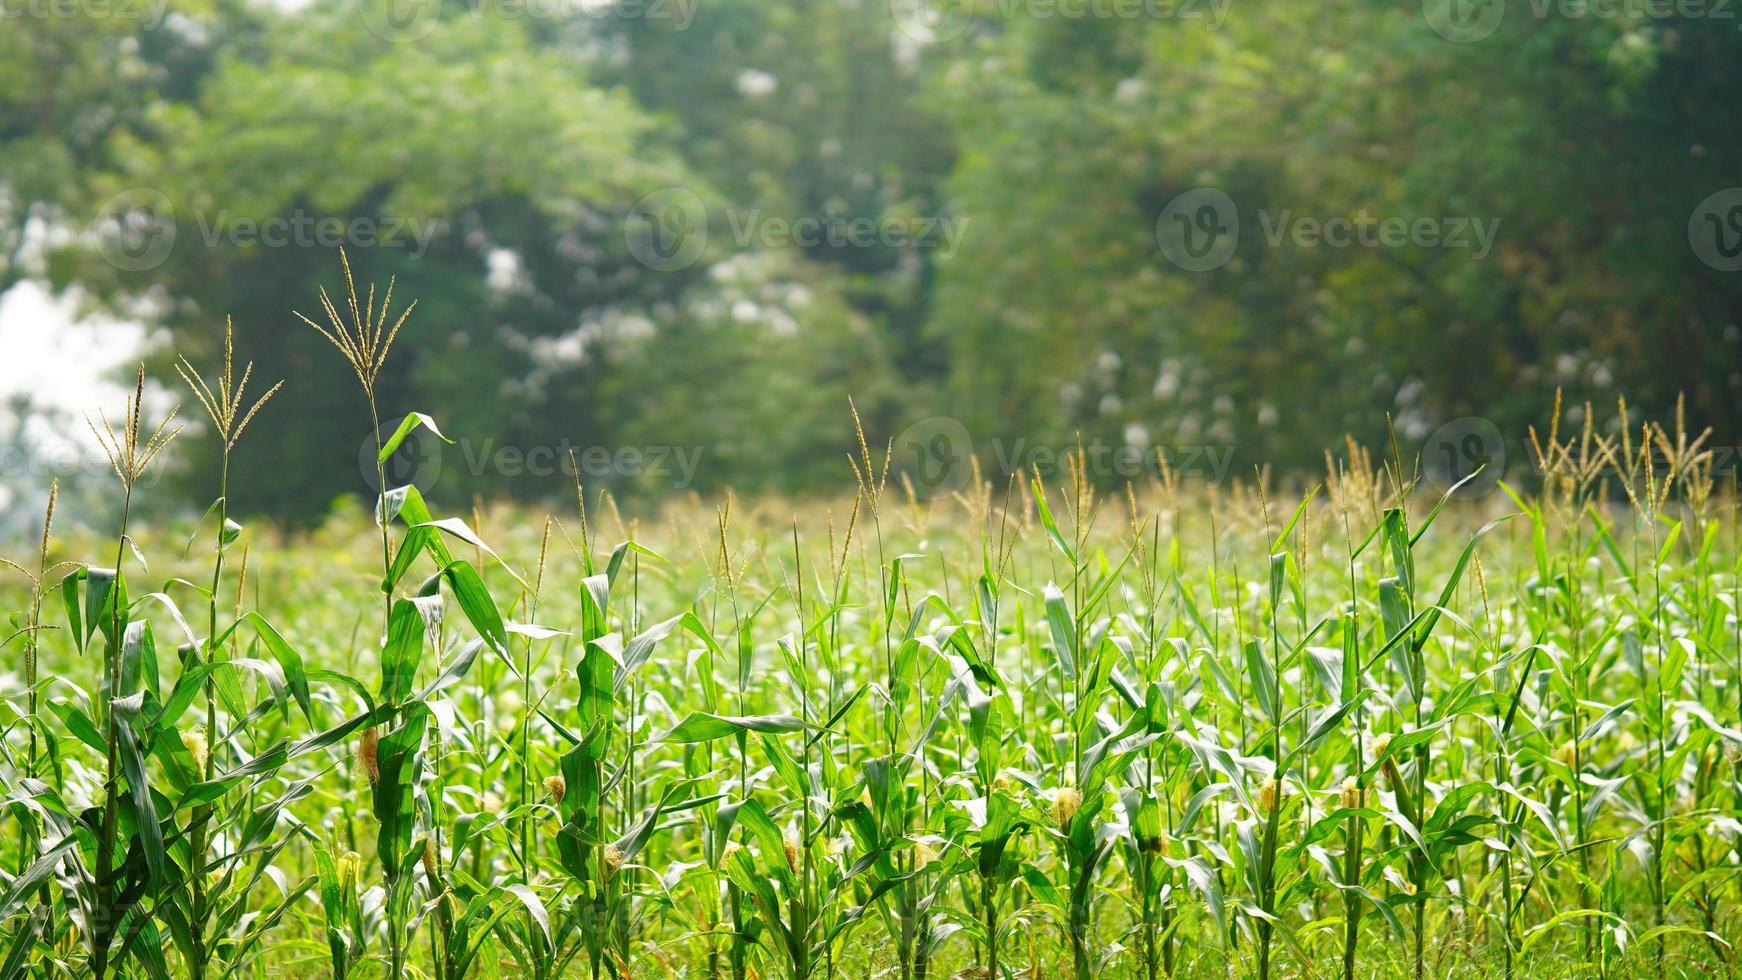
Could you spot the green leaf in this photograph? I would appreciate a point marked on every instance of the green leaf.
(290, 661)
(20, 889)
(1051, 525)
(477, 605)
(126, 714)
(701, 726)
(399, 755)
(79, 725)
(534, 907)
(1064, 630)
(1287, 529)
(407, 426)
(1263, 679)
(458, 528)
(400, 658)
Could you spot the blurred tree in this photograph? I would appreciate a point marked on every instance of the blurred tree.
(1590, 141)
(799, 111)
(500, 161)
(73, 78)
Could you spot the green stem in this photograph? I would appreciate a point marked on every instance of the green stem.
(103, 929)
(1351, 902)
(203, 815)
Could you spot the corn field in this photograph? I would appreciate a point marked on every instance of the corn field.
(1040, 728)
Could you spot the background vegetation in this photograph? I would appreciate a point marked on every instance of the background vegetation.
(517, 141)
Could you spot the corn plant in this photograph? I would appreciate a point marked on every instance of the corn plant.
(229, 411)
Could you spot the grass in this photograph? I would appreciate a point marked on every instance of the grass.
(1029, 730)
